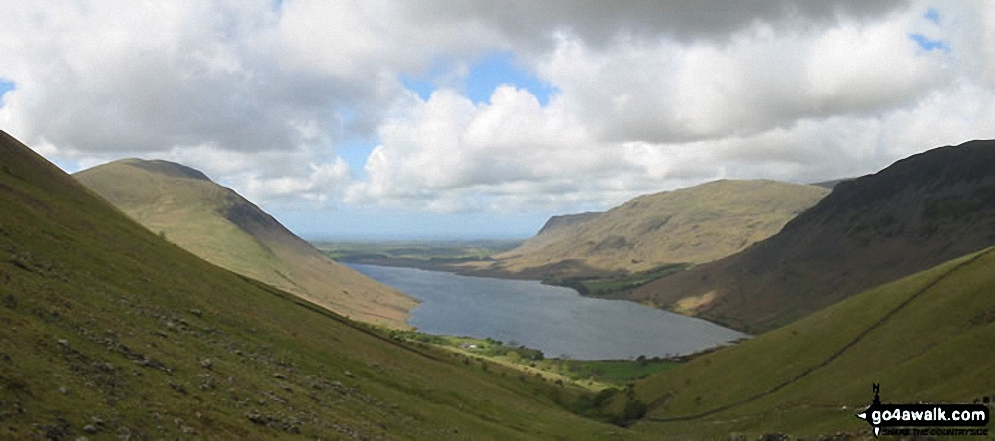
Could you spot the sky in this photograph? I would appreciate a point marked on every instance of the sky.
(478, 119)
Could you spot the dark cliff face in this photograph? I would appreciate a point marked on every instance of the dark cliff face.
(915, 214)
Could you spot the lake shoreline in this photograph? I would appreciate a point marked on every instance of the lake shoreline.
(458, 267)
(443, 266)
(556, 320)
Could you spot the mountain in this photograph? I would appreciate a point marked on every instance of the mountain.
(913, 215)
(691, 225)
(109, 331)
(924, 338)
(222, 227)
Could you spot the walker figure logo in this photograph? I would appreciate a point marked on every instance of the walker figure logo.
(880, 415)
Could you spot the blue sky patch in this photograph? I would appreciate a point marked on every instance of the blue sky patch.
(354, 149)
(5, 86)
(482, 78)
(500, 69)
(930, 45)
(933, 15)
(355, 153)
(422, 86)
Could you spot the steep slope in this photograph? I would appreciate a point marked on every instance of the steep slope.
(110, 331)
(691, 225)
(924, 338)
(223, 228)
(915, 214)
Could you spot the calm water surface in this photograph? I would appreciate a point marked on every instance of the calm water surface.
(553, 319)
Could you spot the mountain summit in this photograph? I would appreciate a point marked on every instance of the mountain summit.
(222, 227)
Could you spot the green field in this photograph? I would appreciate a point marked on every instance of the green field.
(427, 253)
(589, 374)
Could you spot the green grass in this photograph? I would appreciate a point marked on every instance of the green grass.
(105, 324)
(926, 338)
(621, 371)
(590, 374)
(441, 251)
(220, 226)
(696, 225)
(619, 286)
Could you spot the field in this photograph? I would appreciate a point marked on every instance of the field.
(594, 375)
(441, 255)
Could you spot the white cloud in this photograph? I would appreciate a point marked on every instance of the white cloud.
(447, 148)
(650, 95)
(759, 80)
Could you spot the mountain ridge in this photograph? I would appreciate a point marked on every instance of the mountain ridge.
(908, 217)
(221, 226)
(685, 226)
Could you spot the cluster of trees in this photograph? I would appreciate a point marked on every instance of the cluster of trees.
(515, 354)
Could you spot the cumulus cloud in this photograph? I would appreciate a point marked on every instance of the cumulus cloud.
(98, 80)
(648, 95)
(668, 92)
(635, 115)
(479, 153)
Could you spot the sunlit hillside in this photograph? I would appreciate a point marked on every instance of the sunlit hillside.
(222, 227)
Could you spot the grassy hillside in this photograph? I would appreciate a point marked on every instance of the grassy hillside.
(109, 330)
(925, 338)
(692, 225)
(911, 216)
(223, 228)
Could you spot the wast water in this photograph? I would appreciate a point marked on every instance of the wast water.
(556, 320)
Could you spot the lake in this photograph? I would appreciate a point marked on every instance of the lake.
(556, 320)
